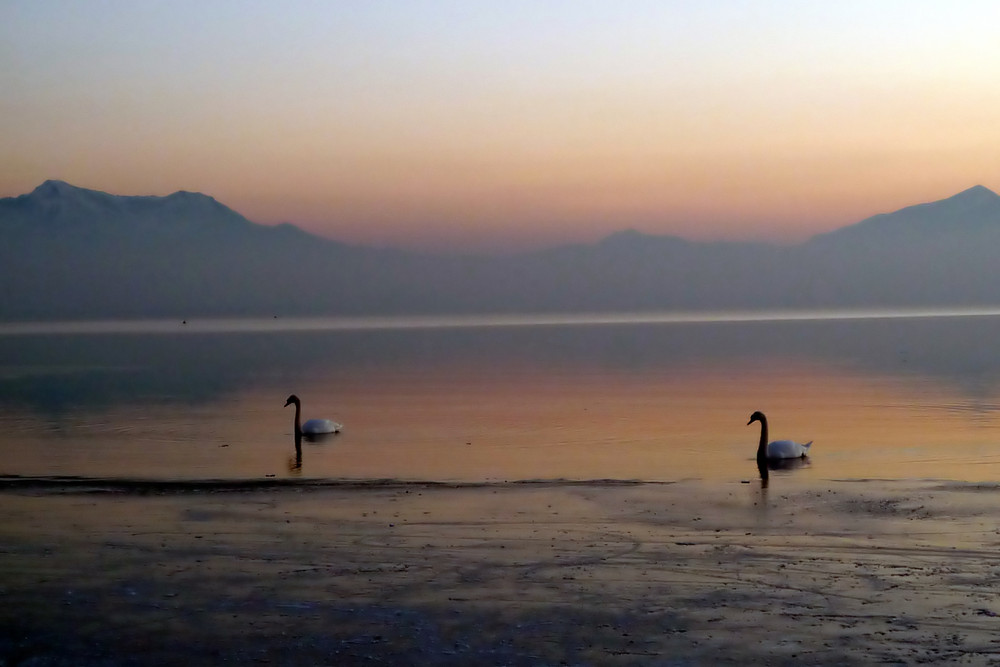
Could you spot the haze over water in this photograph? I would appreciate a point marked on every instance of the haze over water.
(658, 398)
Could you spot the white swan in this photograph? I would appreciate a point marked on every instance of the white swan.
(778, 449)
(313, 426)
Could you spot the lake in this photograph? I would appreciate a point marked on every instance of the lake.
(654, 397)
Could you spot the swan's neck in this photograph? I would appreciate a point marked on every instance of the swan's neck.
(762, 447)
(298, 412)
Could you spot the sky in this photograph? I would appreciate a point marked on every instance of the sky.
(485, 125)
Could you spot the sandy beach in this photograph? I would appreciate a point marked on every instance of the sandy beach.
(509, 574)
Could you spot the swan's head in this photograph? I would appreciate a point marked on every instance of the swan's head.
(757, 416)
(292, 400)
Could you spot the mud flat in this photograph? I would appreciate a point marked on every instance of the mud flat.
(843, 572)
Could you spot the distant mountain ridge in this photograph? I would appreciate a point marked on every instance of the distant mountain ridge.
(68, 252)
(977, 208)
(56, 205)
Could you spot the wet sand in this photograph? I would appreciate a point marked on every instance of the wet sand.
(510, 574)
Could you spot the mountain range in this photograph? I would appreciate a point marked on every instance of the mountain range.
(72, 253)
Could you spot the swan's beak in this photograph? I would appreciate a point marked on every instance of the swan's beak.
(287, 403)
(748, 423)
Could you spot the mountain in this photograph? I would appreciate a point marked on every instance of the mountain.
(71, 252)
(68, 252)
(942, 252)
(55, 206)
(962, 217)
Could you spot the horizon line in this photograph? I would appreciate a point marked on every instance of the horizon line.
(343, 323)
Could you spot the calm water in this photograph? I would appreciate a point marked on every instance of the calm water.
(883, 395)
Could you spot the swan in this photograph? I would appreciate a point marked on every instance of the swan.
(778, 449)
(313, 426)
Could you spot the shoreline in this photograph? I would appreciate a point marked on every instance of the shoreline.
(677, 574)
(82, 484)
(75, 484)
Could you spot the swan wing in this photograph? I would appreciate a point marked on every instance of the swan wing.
(787, 449)
(321, 426)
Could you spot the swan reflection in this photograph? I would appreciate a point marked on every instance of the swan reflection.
(788, 464)
(295, 463)
(764, 466)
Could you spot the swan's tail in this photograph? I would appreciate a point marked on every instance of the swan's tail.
(807, 445)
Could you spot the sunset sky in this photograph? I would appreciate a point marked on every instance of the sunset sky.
(506, 125)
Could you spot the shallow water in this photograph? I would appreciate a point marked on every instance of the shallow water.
(882, 395)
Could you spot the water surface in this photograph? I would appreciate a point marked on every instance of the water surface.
(893, 395)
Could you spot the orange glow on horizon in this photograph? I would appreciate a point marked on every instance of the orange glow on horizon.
(770, 123)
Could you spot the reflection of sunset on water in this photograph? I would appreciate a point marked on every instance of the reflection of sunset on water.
(523, 424)
(511, 420)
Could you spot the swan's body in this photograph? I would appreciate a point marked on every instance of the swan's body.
(786, 449)
(315, 426)
(312, 426)
(778, 449)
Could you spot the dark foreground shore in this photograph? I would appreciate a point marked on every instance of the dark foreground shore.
(539, 574)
